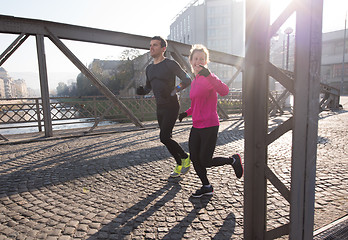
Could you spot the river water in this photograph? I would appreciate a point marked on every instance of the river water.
(18, 128)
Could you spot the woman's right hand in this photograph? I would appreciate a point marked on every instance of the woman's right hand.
(182, 115)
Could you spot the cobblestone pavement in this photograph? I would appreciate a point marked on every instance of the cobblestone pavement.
(116, 186)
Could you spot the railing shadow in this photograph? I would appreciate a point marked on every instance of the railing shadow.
(68, 160)
(74, 160)
(128, 220)
(330, 113)
(71, 164)
(134, 216)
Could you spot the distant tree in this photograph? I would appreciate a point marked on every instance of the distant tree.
(124, 72)
(62, 90)
(129, 54)
(85, 87)
(73, 89)
(115, 79)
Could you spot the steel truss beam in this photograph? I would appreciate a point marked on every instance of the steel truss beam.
(94, 80)
(306, 109)
(57, 31)
(256, 71)
(12, 48)
(15, 25)
(41, 56)
(304, 123)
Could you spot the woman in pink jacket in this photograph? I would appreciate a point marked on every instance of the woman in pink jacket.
(204, 131)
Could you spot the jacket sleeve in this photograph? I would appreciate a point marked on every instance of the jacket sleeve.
(147, 87)
(220, 87)
(189, 111)
(180, 73)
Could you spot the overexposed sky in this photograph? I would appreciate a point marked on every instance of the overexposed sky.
(140, 17)
(334, 13)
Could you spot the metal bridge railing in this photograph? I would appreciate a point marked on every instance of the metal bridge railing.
(15, 112)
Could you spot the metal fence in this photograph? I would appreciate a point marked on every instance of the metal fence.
(28, 112)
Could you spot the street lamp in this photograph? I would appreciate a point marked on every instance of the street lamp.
(288, 31)
(344, 52)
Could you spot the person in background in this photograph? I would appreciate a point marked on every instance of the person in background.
(161, 78)
(205, 120)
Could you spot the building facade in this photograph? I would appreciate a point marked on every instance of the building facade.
(6, 87)
(334, 61)
(334, 57)
(217, 24)
(19, 89)
(2, 88)
(10, 88)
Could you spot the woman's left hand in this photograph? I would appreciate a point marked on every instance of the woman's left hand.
(204, 72)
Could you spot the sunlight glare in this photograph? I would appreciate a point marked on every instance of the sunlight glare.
(277, 7)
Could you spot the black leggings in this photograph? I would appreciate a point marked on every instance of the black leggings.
(166, 117)
(202, 143)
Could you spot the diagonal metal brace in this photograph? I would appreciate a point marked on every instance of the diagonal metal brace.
(3, 138)
(285, 192)
(101, 118)
(101, 87)
(13, 47)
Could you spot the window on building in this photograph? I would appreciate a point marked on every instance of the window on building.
(211, 32)
(325, 73)
(338, 48)
(211, 11)
(337, 70)
(181, 29)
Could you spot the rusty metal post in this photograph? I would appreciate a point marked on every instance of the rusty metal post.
(255, 96)
(306, 110)
(37, 104)
(44, 85)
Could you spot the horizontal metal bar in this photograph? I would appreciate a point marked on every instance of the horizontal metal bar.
(329, 89)
(214, 56)
(16, 25)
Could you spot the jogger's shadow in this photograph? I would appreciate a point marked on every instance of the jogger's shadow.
(227, 229)
(178, 231)
(225, 232)
(134, 216)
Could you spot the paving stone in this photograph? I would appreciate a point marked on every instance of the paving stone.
(100, 187)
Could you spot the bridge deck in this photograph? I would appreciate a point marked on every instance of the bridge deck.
(116, 186)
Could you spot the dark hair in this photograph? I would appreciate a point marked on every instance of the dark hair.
(163, 41)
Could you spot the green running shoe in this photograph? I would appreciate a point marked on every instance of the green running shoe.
(177, 171)
(186, 164)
